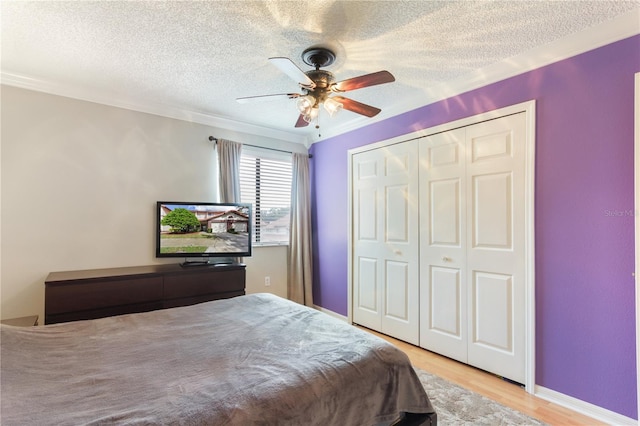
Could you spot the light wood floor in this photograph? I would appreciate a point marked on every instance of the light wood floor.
(490, 386)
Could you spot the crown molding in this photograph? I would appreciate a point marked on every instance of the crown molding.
(89, 95)
(624, 26)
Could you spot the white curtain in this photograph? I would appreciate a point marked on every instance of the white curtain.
(299, 287)
(229, 165)
(229, 169)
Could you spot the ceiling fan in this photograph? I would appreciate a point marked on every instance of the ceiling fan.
(318, 85)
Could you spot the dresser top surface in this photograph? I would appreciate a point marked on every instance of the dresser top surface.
(147, 270)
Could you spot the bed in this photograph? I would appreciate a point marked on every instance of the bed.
(250, 360)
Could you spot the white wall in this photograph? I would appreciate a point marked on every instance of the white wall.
(267, 262)
(79, 182)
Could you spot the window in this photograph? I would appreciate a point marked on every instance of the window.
(265, 183)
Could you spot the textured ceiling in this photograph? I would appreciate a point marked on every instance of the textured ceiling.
(198, 57)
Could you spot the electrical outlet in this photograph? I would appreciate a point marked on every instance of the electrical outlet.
(267, 281)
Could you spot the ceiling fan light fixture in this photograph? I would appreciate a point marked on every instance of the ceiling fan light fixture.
(332, 106)
(305, 104)
(310, 115)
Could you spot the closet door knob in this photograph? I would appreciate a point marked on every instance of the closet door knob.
(446, 259)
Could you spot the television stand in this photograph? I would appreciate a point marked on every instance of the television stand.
(189, 263)
(210, 262)
(98, 293)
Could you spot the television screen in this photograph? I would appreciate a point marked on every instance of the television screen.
(187, 229)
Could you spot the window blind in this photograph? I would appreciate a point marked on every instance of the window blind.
(265, 183)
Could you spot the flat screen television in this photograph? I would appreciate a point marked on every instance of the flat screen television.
(210, 232)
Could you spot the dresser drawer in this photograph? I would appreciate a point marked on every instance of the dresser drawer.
(70, 297)
(103, 312)
(202, 283)
(187, 301)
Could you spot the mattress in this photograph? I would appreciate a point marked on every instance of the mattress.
(255, 359)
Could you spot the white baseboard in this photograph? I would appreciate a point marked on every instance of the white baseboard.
(331, 313)
(583, 407)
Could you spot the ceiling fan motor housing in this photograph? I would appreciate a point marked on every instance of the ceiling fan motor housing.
(318, 57)
(323, 80)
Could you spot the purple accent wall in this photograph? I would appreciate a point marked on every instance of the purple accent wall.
(585, 297)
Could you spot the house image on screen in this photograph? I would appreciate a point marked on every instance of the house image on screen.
(212, 221)
(230, 221)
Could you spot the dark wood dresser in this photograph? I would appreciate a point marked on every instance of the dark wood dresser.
(98, 293)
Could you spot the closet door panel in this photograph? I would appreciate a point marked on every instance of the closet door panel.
(367, 295)
(397, 220)
(367, 228)
(397, 291)
(368, 237)
(385, 240)
(443, 321)
(495, 246)
(491, 221)
(400, 317)
(446, 314)
(443, 304)
(493, 310)
(444, 211)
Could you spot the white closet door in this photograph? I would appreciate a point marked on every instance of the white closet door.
(472, 245)
(443, 297)
(385, 240)
(496, 246)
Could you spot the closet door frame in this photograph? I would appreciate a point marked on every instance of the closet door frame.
(529, 108)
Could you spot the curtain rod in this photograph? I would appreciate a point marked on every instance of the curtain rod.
(215, 140)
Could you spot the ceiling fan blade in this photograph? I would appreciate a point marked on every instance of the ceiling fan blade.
(357, 107)
(289, 68)
(301, 122)
(366, 80)
(264, 98)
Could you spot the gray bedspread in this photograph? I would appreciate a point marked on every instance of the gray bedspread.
(250, 360)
